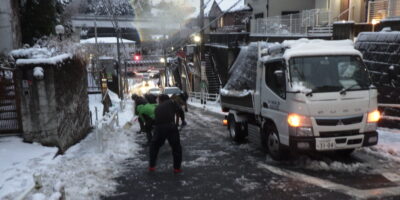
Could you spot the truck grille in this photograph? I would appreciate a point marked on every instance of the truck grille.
(339, 133)
(339, 121)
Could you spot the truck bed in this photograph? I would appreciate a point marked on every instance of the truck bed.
(244, 103)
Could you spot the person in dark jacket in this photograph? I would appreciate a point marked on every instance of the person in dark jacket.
(139, 101)
(166, 129)
(181, 114)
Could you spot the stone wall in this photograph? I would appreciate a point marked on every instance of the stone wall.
(55, 110)
(73, 116)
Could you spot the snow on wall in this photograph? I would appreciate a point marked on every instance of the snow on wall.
(49, 61)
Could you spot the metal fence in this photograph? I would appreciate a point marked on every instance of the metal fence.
(382, 9)
(203, 96)
(307, 22)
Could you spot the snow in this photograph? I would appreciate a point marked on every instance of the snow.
(38, 73)
(226, 6)
(50, 61)
(388, 145)
(236, 93)
(18, 163)
(84, 171)
(247, 184)
(31, 53)
(210, 106)
(306, 47)
(106, 40)
(299, 86)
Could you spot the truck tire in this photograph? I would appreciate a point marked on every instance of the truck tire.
(235, 130)
(273, 144)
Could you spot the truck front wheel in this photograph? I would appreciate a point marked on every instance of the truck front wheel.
(235, 130)
(274, 147)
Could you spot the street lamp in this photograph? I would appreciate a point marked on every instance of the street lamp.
(374, 22)
(162, 60)
(197, 39)
(60, 30)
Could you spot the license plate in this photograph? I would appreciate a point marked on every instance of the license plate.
(325, 144)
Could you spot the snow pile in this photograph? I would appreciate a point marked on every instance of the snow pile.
(300, 87)
(388, 145)
(306, 47)
(18, 163)
(335, 166)
(84, 171)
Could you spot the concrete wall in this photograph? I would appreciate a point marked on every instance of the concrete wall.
(55, 110)
(10, 32)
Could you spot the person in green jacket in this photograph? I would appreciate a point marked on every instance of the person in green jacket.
(146, 114)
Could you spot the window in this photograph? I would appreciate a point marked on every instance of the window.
(329, 73)
(275, 77)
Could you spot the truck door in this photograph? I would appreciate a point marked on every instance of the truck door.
(273, 97)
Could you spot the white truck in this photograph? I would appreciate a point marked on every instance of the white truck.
(301, 95)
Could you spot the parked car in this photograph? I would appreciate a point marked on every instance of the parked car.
(171, 90)
(154, 91)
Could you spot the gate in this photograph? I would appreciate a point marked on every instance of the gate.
(10, 119)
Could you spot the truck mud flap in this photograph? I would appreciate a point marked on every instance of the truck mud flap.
(254, 135)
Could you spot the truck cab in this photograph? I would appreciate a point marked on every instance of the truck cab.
(318, 98)
(311, 95)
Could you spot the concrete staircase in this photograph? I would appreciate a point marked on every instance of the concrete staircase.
(214, 83)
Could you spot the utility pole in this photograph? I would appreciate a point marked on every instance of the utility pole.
(201, 28)
(119, 65)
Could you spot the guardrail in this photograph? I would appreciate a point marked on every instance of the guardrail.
(388, 117)
(106, 125)
(298, 24)
(204, 96)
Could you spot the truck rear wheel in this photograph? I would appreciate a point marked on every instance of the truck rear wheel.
(274, 146)
(235, 130)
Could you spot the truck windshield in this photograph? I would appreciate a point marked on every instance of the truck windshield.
(329, 73)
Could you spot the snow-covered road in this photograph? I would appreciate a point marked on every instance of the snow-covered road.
(214, 167)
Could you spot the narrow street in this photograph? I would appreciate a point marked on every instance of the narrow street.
(215, 168)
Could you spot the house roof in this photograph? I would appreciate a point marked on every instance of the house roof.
(226, 6)
(106, 40)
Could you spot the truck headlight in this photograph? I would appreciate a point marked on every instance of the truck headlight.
(374, 116)
(295, 120)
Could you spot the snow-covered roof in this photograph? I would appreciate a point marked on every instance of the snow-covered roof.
(226, 6)
(106, 40)
(305, 47)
